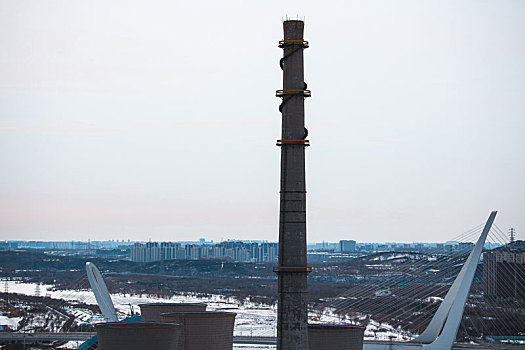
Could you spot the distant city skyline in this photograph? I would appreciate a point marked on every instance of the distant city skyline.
(333, 244)
(158, 120)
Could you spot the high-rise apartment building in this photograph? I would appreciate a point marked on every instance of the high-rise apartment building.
(153, 251)
(347, 246)
(234, 250)
(504, 271)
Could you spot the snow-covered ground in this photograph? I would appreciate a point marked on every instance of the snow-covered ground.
(252, 319)
(10, 322)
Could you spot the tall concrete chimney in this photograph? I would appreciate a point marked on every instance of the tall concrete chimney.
(292, 313)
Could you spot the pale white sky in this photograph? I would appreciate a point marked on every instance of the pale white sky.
(157, 119)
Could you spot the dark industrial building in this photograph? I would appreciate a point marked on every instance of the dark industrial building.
(504, 271)
(203, 330)
(335, 337)
(137, 335)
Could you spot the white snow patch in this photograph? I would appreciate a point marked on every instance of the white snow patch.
(12, 323)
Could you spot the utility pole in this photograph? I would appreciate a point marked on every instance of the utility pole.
(512, 234)
(6, 290)
(292, 269)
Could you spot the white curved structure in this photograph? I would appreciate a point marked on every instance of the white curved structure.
(101, 293)
(448, 316)
(442, 329)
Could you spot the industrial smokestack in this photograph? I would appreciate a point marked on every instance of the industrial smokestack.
(292, 314)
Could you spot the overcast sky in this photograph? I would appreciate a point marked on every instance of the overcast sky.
(158, 119)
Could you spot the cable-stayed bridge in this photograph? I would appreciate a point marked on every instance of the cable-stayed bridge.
(408, 288)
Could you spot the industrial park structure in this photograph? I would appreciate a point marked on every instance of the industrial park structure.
(181, 326)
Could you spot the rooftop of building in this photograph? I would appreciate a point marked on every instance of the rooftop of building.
(513, 247)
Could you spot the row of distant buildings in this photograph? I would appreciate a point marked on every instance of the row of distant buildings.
(234, 250)
(66, 245)
(343, 246)
(265, 251)
(351, 246)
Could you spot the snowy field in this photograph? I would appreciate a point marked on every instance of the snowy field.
(252, 319)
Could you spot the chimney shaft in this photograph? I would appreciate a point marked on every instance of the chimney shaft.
(292, 321)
